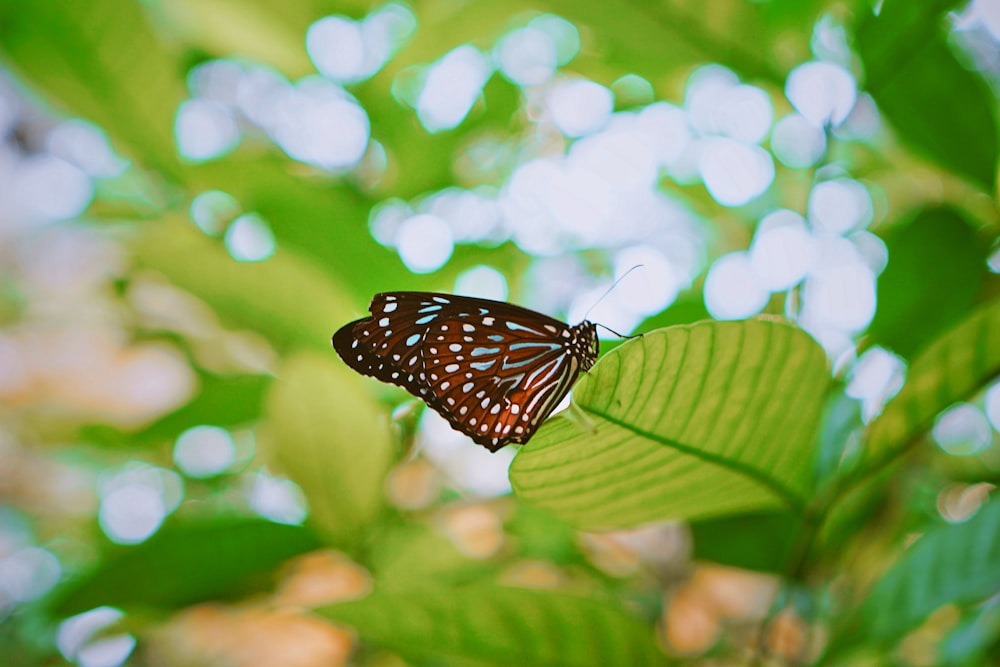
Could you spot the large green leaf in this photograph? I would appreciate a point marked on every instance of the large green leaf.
(286, 297)
(687, 422)
(950, 369)
(501, 626)
(954, 564)
(939, 107)
(936, 266)
(103, 61)
(332, 439)
(187, 562)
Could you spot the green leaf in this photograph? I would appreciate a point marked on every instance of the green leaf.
(950, 369)
(186, 562)
(641, 37)
(332, 440)
(103, 61)
(543, 536)
(840, 429)
(688, 422)
(224, 400)
(261, 31)
(286, 297)
(969, 642)
(955, 564)
(951, 121)
(414, 555)
(501, 626)
(759, 542)
(917, 302)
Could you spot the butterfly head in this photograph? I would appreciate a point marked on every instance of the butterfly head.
(585, 345)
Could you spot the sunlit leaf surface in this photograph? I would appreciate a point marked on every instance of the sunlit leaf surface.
(687, 422)
(286, 297)
(104, 62)
(328, 436)
(195, 194)
(501, 626)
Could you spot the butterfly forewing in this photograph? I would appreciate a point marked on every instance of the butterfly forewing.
(494, 370)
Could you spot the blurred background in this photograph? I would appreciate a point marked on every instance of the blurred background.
(195, 194)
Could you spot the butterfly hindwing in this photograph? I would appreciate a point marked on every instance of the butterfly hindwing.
(492, 369)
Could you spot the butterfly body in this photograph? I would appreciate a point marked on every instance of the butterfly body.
(494, 370)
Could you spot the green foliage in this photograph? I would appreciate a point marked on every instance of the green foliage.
(501, 626)
(761, 542)
(903, 49)
(916, 301)
(921, 582)
(187, 561)
(950, 369)
(744, 432)
(329, 438)
(288, 298)
(223, 400)
(673, 416)
(954, 564)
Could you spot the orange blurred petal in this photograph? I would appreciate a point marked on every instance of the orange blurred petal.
(254, 637)
(476, 530)
(322, 577)
(690, 624)
(787, 635)
(736, 593)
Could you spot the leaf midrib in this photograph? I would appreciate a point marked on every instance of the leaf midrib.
(789, 497)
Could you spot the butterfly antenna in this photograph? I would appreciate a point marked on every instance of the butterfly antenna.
(608, 291)
(616, 333)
